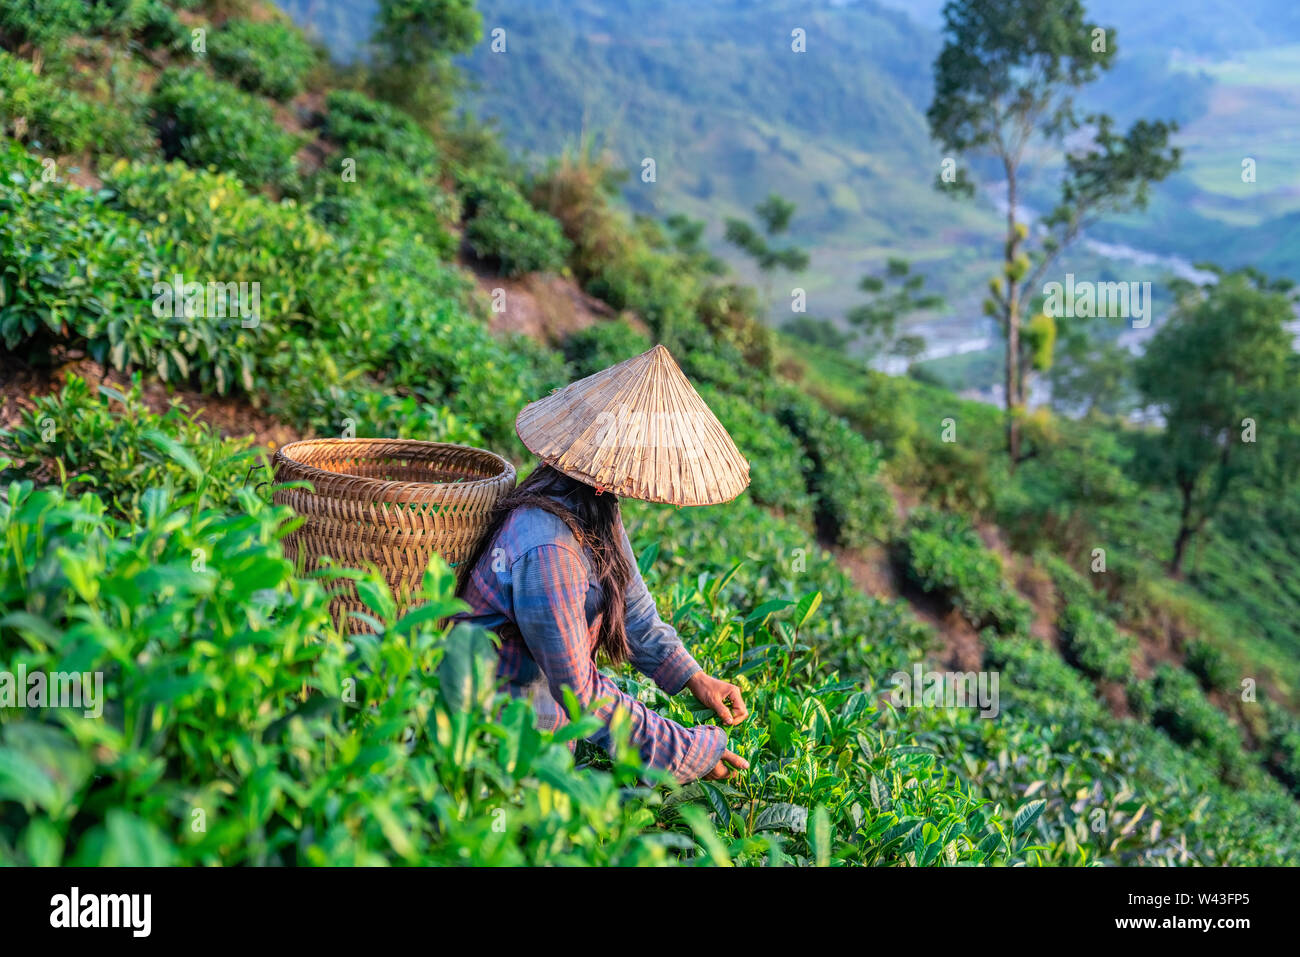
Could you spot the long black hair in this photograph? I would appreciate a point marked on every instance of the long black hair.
(593, 518)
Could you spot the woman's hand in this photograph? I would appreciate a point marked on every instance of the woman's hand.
(722, 696)
(729, 765)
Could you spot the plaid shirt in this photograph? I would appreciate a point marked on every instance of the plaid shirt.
(536, 588)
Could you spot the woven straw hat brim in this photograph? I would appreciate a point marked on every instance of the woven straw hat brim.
(637, 429)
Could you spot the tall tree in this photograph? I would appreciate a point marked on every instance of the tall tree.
(1225, 377)
(895, 294)
(774, 215)
(413, 43)
(1006, 79)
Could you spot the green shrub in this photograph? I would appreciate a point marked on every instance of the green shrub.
(73, 270)
(37, 110)
(206, 122)
(953, 475)
(43, 23)
(1072, 587)
(380, 413)
(354, 122)
(113, 445)
(628, 262)
(1183, 711)
(853, 508)
(46, 23)
(1069, 491)
(365, 310)
(118, 98)
(884, 413)
(655, 287)
(238, 728)
(1141, 696)
(120, 17)
(502, 227)
(1086, 624)
(776, 461)
(1034, 675)
(1282, 744)
(395, 185)
(944, 555)
(1094, 644)
(385, 199)
(706, 365)
(160, 28)
(601, 345)
(729, 312)
(216, 231)
(1210, 665)
(267, 58)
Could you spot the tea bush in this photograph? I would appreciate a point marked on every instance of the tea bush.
(1086, 625)
(729, 312)
(37, 110)
(777, 464)
(112, 444)
(1095, 644)
(1072, 587)
(883, 412)
(944, 555)
(398, 175)
(118, 96)
(502, 227)
(624, 261)
(364, 204)
(819, 746)
(267, 58)
(342, 314)
(853, 508)
(216, 232)
(374, 412)
(72, 270)
(1064, 776)
(599, 346)
(1036, 676)
(1210, 665)
(1182, 710)
(206, 122)
(1061, 494)
(43, 23)
(238, 727)
(354, 121)
(160, 28)
(1282, 744)
(952, 475)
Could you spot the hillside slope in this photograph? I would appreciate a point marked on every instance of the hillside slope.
(144, 544)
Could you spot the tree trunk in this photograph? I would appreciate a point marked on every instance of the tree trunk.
(1185, 532)
(1012, 317)
(1180, 549)
(1012, 402)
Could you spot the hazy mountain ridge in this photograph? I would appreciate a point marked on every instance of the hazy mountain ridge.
(713, 93)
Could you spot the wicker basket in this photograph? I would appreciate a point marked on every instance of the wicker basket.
(390, 503)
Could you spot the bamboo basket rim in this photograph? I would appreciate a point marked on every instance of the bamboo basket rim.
(388, 490)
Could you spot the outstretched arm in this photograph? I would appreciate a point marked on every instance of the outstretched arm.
(549, 596)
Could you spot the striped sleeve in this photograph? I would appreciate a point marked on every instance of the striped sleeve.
(550, 591)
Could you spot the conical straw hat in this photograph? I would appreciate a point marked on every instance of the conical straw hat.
(637, 429)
